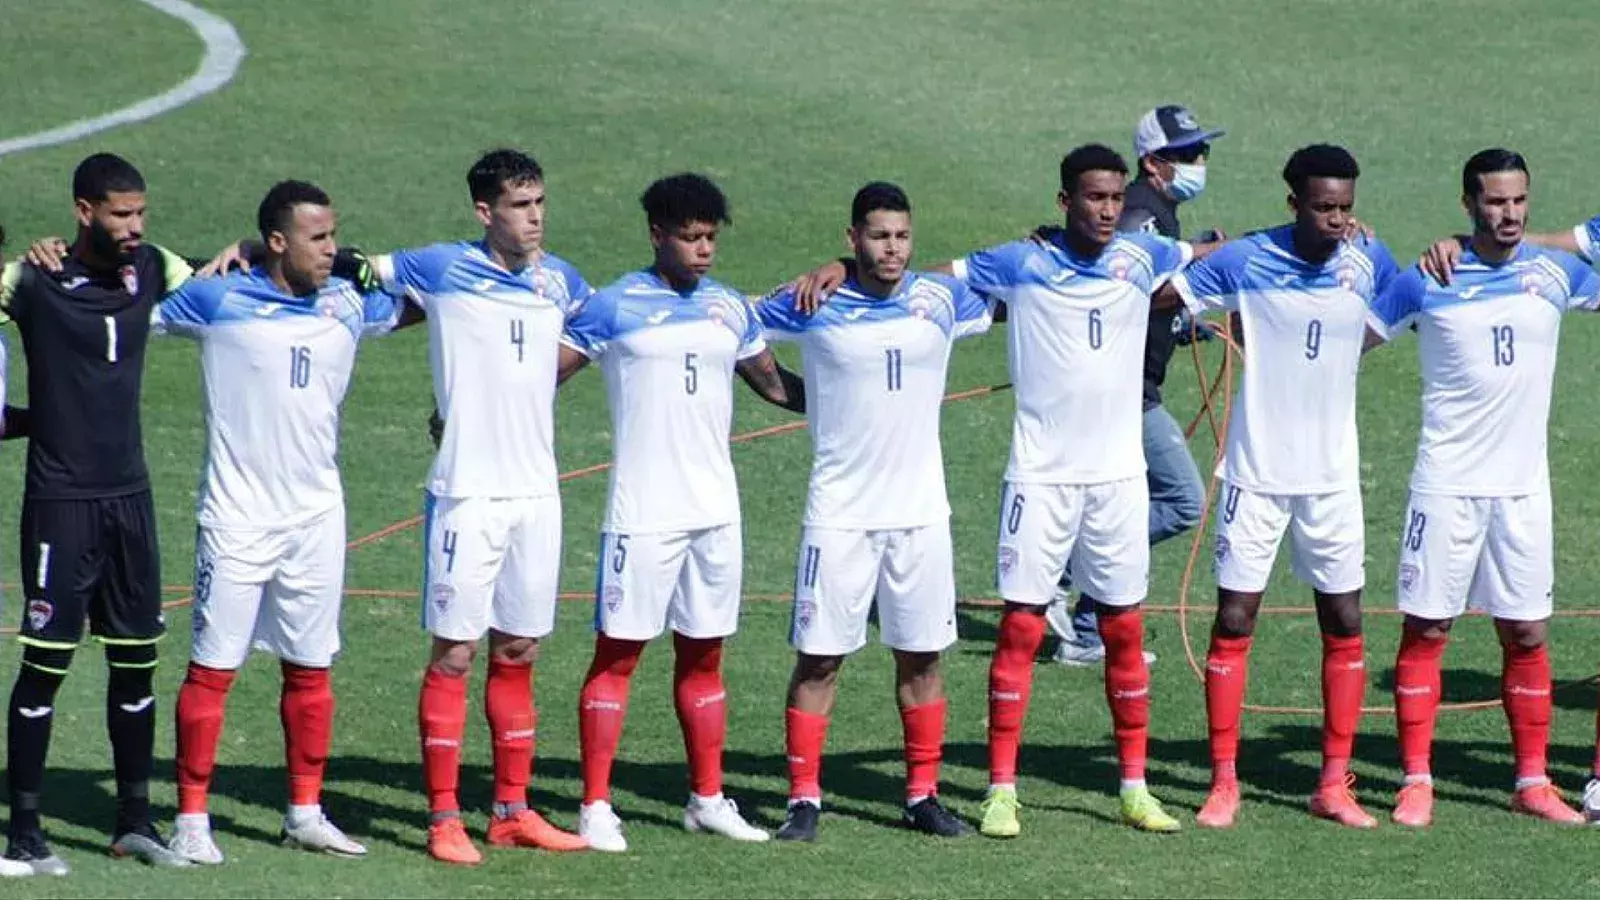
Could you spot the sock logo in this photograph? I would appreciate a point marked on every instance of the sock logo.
(1218, 669)
(1012, 696)
(1413, 690)
(1134, 694)
(137, 706)
(440, 742)
(1520, 691)
(524, 735)
(710, 699)
(34, 712)
(602, 706)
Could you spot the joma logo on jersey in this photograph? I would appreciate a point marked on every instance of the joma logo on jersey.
(659, 316)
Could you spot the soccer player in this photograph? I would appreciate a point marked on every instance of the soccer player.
(877, 521)
(1478, 528)
(88, 530)
(277, 347)
(1171, 148)
(1303, 293)
(669, 340)
(495, 309)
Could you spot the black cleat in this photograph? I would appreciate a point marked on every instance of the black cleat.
(928, 817)
(801, 822)
(29, 855)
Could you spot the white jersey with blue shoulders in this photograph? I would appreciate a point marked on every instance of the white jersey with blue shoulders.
(1076, 341)
(1294, 418)
(274, 369)
(668, 361)
(875, 379)
(1487, 343)
(494, 344)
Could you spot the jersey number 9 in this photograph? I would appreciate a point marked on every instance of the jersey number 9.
(1313, 339)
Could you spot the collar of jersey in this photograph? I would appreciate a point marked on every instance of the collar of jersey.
(1470, 257)
(854, 287)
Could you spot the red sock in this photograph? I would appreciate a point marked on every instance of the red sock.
(1127, 688)
(306, 708)
(702, 709)
(923, 730)
(1525, 693)
(202, 701)
(1010, 683)
(441, 720)
(805, 734)
(1344, 685)
(508, 705)
(602, 705)
(1227, 675)
(1416, 699)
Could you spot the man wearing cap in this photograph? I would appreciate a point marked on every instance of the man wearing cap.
(1172, 150)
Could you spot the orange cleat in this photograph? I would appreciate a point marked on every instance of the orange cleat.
(1221, 806)
(1543, 801)
(529, 829)
(448, 843)
(1337, 802)
(1414, 805)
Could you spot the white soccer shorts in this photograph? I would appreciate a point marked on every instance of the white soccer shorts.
(490, 564)
(688, 581)
(910, 572)
(1496, 554)
(1328, 532)
(1103, 529)
(278, 590)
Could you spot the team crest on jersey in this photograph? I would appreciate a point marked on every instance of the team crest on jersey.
(1223, 547)
(805, 612)
(611, 596)
(130, 279)
(1541, 283)
(1346, 276)
(1118, 264)
(718, 312)
(1007, 560)
(39, 614)
(1408, 577)
(920, 302)
(442, 595)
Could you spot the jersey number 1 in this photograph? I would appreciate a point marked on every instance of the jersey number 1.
(111, 339)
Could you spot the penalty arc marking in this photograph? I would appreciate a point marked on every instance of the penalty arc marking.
(224, 52)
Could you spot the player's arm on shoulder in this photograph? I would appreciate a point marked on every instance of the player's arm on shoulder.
(590, 326)
(175, 270)
(779, 313)
(10, 294)
(1395, 307)
(972, 311)
(187, 310)
(772, 382)
(568, 363)
(1583, 284)
(414, 274)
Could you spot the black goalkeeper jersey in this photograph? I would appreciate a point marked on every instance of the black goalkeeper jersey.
(84, 333)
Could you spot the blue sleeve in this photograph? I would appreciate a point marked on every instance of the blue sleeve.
(419, 273)
(996, 271)
(753, 339)
(973, 312)
(777, 315)
(592, 325)
(1583, 285)
(1213, 282)
(1398, 303)
(1587, 236)
(578, 289)
(190, 308)
(380, 312)
(1167, 256)
(1384, 268)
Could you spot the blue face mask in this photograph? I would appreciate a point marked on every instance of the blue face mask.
(1188, 180)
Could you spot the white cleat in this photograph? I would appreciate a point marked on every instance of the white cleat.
(720, 816)
(319, 835)
(1591, 801)
(599, 825)
(191, 839)
(1079, 655)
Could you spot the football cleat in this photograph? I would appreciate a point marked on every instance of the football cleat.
(1143, 811)
(998, 814)
(720, 816)
(800, 824)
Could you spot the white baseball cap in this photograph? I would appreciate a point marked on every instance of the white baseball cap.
(1168, 128)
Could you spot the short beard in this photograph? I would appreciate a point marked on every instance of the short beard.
(105, 247)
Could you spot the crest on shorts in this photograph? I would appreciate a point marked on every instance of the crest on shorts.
(441, 594)
(39, 614)
(611, 596)
(1222, 549)
(805, 612)
(1007, 560)
(1408, 577)
(203, 572)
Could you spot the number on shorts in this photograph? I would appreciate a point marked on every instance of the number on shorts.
(299, 367)
(447, 545)
(516, 337)
(1230, 505)
(1414, 528)
(1014, 514)
(1505, 348)
(891, 364)
(1096, 329)
(691, 375)
(1313, 338)
(619, 551)
(809, 565)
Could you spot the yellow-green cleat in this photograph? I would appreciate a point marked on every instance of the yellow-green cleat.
(999, 812)
(1144, 812)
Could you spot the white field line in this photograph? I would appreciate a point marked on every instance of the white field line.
(224, 52)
